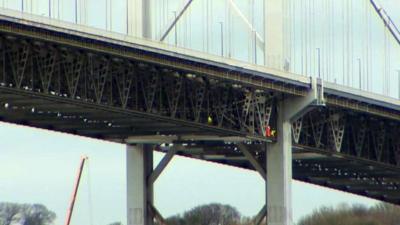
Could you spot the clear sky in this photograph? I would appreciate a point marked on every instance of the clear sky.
(38, 166)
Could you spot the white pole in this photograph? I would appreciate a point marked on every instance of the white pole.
(76, 11)
(111, 15)
(176, 29)
(222, 38)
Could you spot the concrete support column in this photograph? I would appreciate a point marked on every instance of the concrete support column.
(273, 34)
(139, 18)
(279, 172)
(139, 166)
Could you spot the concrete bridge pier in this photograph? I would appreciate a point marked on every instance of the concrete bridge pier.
(279, 154)
(279, 172)
(140, 179)
(139, 166)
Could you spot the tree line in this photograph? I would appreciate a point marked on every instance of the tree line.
(219, 214)
(380, 214)
(25, 214)
(344, 214)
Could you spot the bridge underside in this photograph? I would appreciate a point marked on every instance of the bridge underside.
(339, 171)
(61, 82)
(333, 170)
(90, 119)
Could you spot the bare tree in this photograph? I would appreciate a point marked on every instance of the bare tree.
(211, 214)
(25, 214)
(381, 214)
(115, 223)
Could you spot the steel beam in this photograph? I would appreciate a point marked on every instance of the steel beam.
(161, 165)
(176, 19)
(299, 106)
(159, 139)
(261, 215)
(254, 162)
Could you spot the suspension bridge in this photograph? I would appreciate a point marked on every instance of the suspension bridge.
(211, 80)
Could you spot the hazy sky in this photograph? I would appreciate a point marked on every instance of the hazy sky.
(38, 166)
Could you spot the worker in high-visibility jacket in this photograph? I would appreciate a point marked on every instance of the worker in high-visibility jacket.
(209, 120)
(269, 132)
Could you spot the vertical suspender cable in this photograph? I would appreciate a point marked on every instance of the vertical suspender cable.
(302, 36)
(228, 28)
(351, 43)
(190, 27)
(369, 49)
(249, 35)
(185, 20)
(384, 60)
(212, 23)
(333, 36)
(203, 27)
(306, 36)
(343, 42)
(389, 61)
(253, 41)
(207, 24)
(348, 41)
(326, 38)
(283, 27)
(329, 41)
(365, 52)
(232, 31)
(293, 16)
(313, 38)
(293, 35)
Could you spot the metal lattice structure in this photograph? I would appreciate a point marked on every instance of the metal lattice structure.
(149, 89)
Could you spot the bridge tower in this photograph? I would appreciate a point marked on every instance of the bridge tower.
(274, 34)
(139, 18)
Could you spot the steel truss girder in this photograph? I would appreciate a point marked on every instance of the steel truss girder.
(257, 111)
(357, 134)
(18, 56)
(296, 129)
(378, 139)
(396, 148)
(337, 125)
(117, 82)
